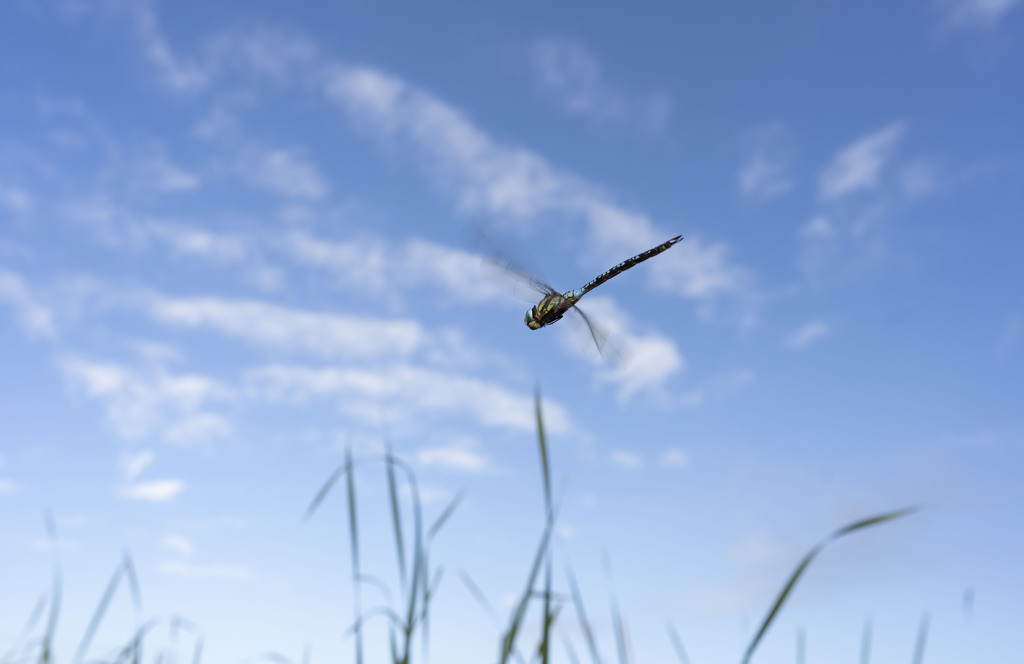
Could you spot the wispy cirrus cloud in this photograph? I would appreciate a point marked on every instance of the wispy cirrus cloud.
(289, 329)
(461, 455)
(34, 318)
(404, 390)
(627, 460)
(973, 13)
(16, 200)
(568, 73)
(178, 544)
(139, 404)
(200, 572)
(498, 180)
(808, 334)
(132, 464)
(153, 491)
(859, 165)
(765, 171)
(287, 172)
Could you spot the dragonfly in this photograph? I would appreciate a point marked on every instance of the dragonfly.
(554, 304)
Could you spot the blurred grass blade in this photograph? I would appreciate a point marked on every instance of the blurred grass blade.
(33, 618)
(479, 596)
(324, 490)
(801, 646)
(97, 616)
(621, 635)
(581, 614)
(509, 641)
(46, 653)
(354, 539)
(444, 516)
(547, 618)
(865, 643)
(922, 639)
(677, 643)
(573, 659)
(197, 653)
(542, 441)
(396, 519)
(845, 530)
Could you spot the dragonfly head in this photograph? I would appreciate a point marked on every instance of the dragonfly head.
(531, 320)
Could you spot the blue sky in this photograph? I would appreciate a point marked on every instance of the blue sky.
(233, 240)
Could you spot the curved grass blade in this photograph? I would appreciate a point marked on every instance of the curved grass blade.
(571, 652)
(508, 642)
(621, 634)
(922, 639)
(445, 514)
(33, 618)
(396, 518)
(101, 610)
(865, 643)
(479, 596)
(46, 654)
(677, 644)
(788, 588)
(581, 614)
(354, 539)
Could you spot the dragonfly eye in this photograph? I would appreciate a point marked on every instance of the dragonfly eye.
(531, 322)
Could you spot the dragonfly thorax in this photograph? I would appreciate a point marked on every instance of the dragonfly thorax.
(548, 310)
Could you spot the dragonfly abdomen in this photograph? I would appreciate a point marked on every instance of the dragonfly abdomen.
(622, 267)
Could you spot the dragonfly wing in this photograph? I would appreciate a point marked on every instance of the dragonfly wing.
(608, 351)
(508, 265)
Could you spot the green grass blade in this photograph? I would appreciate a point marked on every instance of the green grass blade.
(581, 614)
(542, 441)
(324, 490)
(354, 540)
(46, 651)
(396, 519)
(677, 644)
(547, 618)
(509, 641)
(97, 616)
(571, 652)
(445, 515)
(865, 643)
(197, 652)
(922, 639)
(621, 634)
(845, 530)
(479, 596)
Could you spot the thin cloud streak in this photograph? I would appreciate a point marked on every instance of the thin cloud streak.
(859, 165)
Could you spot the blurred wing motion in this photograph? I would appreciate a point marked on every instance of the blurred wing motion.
(554, 304)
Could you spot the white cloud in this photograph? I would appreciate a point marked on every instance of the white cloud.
(405, 390)
(859, 165)
(974, 13)
(503, 181)
(765, 171)
(141, 404)
(808, 334)
(194, 572)
(156, 491)
(818, 227)
(16, 200)
(625, 459)
(159, 173)
(177, 75)
(185, 240)
(673, 457)
(178, 544)
(637, 361)
(458, 455)
(285, 172)
(132, 465)
(375, 264)
(568, 73)
(323, 334)
(35, 318)
(6, 486)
